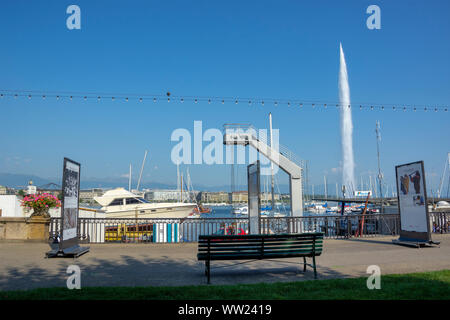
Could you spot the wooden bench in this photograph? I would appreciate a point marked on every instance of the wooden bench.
(258, 247)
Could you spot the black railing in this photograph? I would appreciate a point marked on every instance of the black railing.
(335, 226)
(440, 222)
(145, 230)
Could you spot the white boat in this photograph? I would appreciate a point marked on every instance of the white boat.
(120, 203)
(241, 210)
(266, 213)
(439, 206)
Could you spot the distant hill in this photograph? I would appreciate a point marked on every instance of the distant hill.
(13, 180)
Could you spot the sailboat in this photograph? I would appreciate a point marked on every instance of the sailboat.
(271, 210)
(199, 208)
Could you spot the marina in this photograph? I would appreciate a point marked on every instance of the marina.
(225, 151)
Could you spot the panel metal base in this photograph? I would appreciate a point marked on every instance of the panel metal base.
(415, 243)
(72, 252)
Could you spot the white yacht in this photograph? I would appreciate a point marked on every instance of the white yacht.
(241, 210)
(120, 203)
(439, 206)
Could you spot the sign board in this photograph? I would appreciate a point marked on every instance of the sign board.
(69, 207)
(68, 235)
(254, 203)
(412, 202)
(362, 193)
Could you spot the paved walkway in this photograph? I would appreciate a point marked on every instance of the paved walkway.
(23, 266)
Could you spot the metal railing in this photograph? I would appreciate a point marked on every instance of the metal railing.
(146, 230)
(335, 226)
(440, 222)
(142, 230)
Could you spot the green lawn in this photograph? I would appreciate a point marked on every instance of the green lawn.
(427, 285)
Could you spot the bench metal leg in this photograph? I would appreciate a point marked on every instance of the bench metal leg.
(314, 266)
(304, 264)
(208, 270)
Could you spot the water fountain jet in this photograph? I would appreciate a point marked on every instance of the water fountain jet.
(348, 164)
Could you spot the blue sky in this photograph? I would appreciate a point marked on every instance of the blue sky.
(267, 49)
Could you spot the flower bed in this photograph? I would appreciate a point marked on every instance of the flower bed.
(41, 203)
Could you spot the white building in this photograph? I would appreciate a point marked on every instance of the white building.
(10, 206)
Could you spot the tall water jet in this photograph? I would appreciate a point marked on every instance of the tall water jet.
(348, 165)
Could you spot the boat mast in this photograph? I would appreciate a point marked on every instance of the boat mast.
(232, 183)
(181, 190)
(448, 186)
(142, 169)
(271, 162)
(380, 175)
(447, 163)
(129, 180)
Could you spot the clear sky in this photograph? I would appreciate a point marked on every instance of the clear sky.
(267, 49)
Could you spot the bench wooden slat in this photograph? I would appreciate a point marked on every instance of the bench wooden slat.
(257, 247)
(250, 244)
(243, 239)
(257, 256)
(318, 250)
(268, 240)
(306, 247)
(240, 243)
(272, 236)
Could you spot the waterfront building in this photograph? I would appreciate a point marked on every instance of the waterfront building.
(31, 189)
(163, 195)
(89, 194)
(240, 197)
(214, 197)
(6, 191)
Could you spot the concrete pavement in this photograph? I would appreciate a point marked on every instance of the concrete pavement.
(23, 266)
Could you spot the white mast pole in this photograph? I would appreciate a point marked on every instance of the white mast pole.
(142, 169)
(178, 177)
(337, 193)
(271, 163)
(447, 162)
(129, 180)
